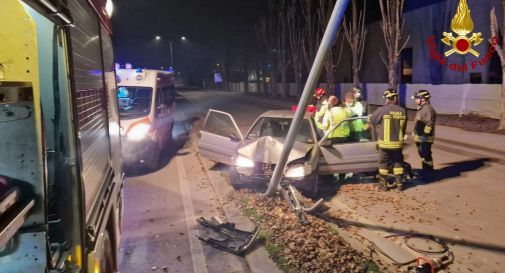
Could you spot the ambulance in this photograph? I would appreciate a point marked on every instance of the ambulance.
(146, 108)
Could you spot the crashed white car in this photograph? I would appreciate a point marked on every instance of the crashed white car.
(252, 158)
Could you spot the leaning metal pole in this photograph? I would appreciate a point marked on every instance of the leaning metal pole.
(315, 72)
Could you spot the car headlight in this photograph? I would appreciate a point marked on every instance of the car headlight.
(244, 162)
(296, 172)
(138, 131)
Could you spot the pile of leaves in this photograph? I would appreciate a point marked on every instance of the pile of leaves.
(315, 247)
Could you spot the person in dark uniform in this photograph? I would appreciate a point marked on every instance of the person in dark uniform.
(424, 130)
(391, 122)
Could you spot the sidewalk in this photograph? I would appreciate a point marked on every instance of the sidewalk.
(463, 206)
(484, 141)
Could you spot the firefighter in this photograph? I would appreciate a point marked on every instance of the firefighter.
(322, 106)
(391, 123)
(334, 116)
(424, 129)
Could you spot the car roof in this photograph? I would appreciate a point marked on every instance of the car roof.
(282, 114)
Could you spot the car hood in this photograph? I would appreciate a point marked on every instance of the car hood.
(268, 149)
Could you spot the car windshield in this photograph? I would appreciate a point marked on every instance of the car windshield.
(134, 102)
(278, 127)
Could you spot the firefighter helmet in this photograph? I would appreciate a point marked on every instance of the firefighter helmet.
(319, 92)
(390, 93)
(422, 94)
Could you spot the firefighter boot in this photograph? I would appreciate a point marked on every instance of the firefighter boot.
(427, 171)
(399, 182)
(383, 185)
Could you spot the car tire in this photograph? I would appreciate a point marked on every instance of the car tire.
(170, 137)
(313, 190)
(154, 162)
(107, 259)
(235, 179)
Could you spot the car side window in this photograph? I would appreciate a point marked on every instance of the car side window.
(220, 124)
(161, 103)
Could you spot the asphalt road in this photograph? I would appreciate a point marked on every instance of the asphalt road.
(464, 204)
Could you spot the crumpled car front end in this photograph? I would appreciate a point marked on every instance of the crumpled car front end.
(254, 163)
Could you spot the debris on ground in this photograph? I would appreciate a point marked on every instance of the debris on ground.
(314, 247)
(224, 236)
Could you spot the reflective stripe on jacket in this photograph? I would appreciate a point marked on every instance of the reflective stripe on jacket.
(424, 125)
(391, 123)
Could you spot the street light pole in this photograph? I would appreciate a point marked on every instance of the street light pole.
(171, 53)
(315, 72)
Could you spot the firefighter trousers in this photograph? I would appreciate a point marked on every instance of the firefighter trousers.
(424, 150)
(388, 157)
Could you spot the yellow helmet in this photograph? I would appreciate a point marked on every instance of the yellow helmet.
(422, 94)
(390, 93)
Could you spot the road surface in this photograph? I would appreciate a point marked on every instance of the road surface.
(464, 205)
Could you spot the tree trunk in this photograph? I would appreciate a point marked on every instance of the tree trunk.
(246, 81)
(502, 116)
(393, 65)
(285, 91)
(298, 80)
(330, 80)
(273, 81)
(355, 77)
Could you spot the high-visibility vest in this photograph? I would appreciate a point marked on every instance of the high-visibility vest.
(355, 110)
(333, 117)
(318, 117)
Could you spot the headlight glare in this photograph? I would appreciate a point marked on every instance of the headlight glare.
(296, 171)
(138, 131)
(244, 162)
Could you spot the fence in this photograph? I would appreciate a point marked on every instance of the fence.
(482, 99)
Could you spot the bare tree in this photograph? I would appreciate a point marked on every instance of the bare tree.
(265, 34)
(282, 45)
(312, 35)
(392, 28)
(333, 59)
(501, 52)
(296, 37)
(355, 34)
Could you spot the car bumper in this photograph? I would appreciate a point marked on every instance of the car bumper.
(137, 152)
(251, 177)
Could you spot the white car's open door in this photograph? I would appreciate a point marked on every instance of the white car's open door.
(356, 153)
(219, 137)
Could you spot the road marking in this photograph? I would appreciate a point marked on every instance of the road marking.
(195, 246)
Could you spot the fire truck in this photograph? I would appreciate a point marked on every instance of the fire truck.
(60, 164)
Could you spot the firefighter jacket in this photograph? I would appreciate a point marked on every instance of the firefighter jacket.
(333, 117)
(391, 122)
(321, 111)
(424, 125)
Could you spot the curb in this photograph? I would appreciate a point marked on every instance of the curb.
(258, 259)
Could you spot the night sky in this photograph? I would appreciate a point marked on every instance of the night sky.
(211, 27)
